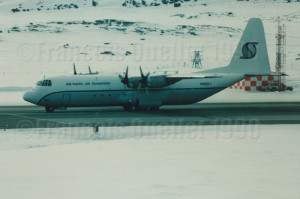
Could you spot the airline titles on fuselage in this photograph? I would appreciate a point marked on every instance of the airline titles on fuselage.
(87, 83)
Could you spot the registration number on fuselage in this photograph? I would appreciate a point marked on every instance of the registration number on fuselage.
(205, 84)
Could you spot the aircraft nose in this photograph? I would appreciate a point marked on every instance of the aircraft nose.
(30, 97)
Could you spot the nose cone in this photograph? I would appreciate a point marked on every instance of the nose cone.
(30, 97)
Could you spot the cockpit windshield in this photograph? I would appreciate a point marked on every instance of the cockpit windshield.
(44, 83)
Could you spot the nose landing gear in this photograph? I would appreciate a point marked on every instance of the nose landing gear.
(49, 109)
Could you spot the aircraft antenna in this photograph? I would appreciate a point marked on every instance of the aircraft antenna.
(74, 68)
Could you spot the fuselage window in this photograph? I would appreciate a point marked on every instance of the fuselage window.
(39, 83)
(48, 83)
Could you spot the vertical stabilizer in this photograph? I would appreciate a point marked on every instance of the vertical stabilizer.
(251, 55)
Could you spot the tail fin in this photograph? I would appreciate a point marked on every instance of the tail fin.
(251, 55)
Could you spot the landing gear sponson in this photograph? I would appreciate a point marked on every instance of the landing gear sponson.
(51, 109)
(140, 108)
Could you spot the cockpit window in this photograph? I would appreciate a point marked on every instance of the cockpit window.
(44, 83)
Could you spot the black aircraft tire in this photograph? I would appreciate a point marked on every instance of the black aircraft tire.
(141, 108)
(127, 107)
(154, 108)
(49, 109)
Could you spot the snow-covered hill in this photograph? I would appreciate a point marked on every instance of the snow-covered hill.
(45, 37)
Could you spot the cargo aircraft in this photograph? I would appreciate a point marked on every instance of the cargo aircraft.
(150, 91)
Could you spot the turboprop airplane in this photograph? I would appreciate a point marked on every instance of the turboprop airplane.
(149, 92)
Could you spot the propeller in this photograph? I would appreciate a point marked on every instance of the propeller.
(137, 84)
(125, 80)
(90, 71)
(144, 80)
(74, 68)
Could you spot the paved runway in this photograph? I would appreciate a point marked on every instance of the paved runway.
(196, 114)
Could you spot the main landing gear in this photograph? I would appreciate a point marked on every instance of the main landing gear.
(129, 107)
(49, 109)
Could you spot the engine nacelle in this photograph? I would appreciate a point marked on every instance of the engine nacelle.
(157, 81)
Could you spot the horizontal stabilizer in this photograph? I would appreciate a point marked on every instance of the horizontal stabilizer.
(266, 74)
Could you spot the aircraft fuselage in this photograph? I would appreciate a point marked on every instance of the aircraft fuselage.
(97, 90)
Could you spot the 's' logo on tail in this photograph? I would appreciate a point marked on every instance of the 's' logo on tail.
(249, 50)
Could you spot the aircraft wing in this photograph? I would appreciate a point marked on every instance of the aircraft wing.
(179, 77)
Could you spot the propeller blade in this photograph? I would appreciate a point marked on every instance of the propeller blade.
(125, 79)
(139, 86)
(142, 74)
(74, 68)
(129, 84)
(126, 74)
(90, 71)
(143, 81)
(148, 75)
(146, 89)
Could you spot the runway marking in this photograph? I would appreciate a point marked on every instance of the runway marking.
(198, 114)
(26, 117)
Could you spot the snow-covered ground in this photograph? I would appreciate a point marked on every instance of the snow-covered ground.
(163, 162)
